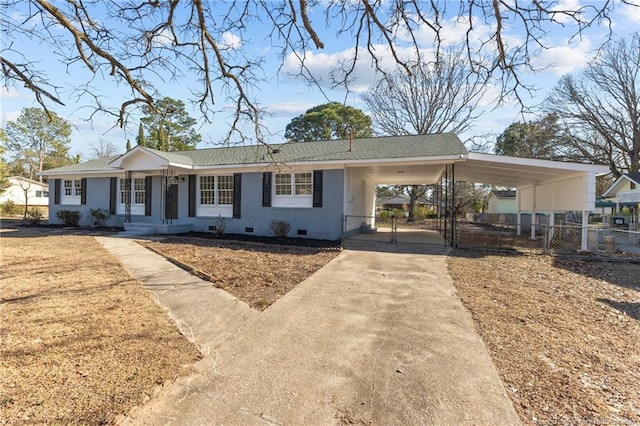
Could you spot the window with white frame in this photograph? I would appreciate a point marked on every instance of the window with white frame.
(293, 189)
(134, 194)
(215, 195)
(42, 194)
(71, 191)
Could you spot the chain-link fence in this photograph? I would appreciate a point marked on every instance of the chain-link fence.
(568, 238)
(497, 236)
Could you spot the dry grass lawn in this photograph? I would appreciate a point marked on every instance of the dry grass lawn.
(254, 272)
(564, 334)
(80, 341)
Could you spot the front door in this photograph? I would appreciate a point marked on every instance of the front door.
(171, 202)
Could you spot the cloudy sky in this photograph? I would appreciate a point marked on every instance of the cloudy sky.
(285, 96)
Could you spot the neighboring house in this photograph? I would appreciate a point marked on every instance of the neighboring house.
(625, 193)
(502, 202)
(321, 188)
(36, 193)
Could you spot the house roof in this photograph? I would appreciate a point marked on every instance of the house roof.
(504, 193)
(615, 187)
(29, 181)
(379, 148)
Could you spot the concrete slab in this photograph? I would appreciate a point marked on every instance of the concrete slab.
(375, 337)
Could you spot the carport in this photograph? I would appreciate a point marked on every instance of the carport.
(541, 185)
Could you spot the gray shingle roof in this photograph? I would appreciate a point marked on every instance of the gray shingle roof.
(633, 176)
(390, 147)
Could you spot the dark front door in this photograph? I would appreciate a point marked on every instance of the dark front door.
(171, 202)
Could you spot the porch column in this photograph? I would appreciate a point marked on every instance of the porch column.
(533, 214)
(518, 214)
(552, 221)
(584, 246)
(373, 209)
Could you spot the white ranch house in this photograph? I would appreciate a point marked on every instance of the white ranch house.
(323, 189)
(23, 191)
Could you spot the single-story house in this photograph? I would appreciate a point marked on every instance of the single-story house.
(23, 191)
(323, 189)
(625, 192)
(400, 202)
(503, 201)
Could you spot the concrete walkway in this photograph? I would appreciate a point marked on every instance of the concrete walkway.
(375, 337)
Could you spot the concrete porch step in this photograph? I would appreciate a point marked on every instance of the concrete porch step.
(136, 229)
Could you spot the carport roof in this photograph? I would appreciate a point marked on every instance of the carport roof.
(515, 172)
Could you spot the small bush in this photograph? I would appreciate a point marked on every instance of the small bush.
(221, 225)
(100, 217)
(422, 213)
(9, 208)
(35, 215)
(69, 217)
(385, 214)
(280, 228)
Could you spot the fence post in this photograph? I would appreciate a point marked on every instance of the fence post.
(584, 246)
(344, 227)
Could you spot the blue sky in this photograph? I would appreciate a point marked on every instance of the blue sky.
(285, 96)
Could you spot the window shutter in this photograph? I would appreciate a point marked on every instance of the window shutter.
(317, 188)
(237, 188)
(56, 191)
(83, 189)
(192, 195)
(113, 195)
(266, 189)
(147, 195)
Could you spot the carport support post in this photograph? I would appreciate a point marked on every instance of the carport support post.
(584, 246)
(552, 222)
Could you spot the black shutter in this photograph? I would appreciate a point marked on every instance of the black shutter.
(192, 195)
(317, 188)
(113, 195)
(266, 189)
(147, 195)
(237, 188)
(56, 191)
(83, 191)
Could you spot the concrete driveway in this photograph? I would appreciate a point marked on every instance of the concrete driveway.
(375, 337)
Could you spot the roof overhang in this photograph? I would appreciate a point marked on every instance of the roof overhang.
(141, 158)
(516, 172)
(617, 185)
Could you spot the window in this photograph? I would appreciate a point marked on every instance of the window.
(134, 195)
(72, 191)
(215, 195)
(42, 194)
(293, 189)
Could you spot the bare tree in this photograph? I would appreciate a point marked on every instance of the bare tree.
(601, 108)
(102, 148)
(435, 97)
(137, 43)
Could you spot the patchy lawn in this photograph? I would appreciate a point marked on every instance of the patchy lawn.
(80, 341)
(563, 333)
(256, 273)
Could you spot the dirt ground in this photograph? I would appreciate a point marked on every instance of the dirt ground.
(80, 342)
(256, 273)
(564, 334)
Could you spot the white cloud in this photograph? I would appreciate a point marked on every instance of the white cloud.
(13, 93)
(565, 5)
(230, 41)
(163, 38)
(288, 109)
(564, 59)
(632, 12)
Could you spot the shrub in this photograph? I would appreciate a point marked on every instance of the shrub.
(385, 214)
(280, 228)
(221, 225)
(9, 208)
(422, 213)
(100, 217)
(35, 214)
(69, 217)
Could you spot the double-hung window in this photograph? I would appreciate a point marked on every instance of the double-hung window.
(215, 195)
(71, 191)
(293, 189)
(134, 194)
